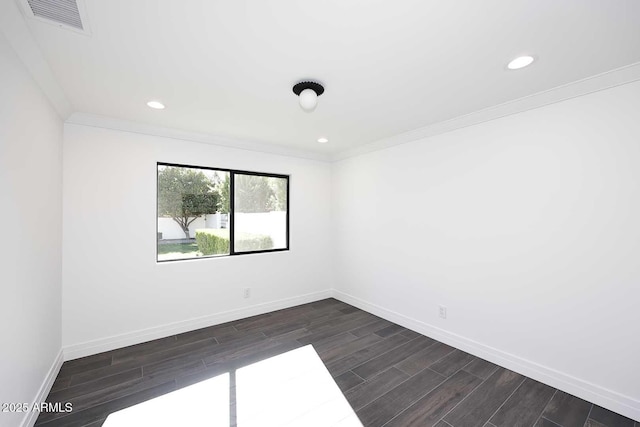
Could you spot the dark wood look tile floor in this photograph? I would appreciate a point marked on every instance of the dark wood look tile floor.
(391, 376)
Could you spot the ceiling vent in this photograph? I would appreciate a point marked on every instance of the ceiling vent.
(68, 14)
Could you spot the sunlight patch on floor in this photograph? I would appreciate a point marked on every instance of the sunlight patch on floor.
(204, 403)
(291, 389)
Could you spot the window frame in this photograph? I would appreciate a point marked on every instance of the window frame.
(232, 173)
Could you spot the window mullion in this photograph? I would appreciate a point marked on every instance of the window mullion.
(232, 213)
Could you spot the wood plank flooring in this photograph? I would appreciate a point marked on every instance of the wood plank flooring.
(391, 376)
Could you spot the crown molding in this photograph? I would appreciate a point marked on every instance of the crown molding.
(607, 80)
(14, 27)
(94, 120)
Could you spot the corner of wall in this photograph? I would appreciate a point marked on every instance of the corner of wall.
(32, 416)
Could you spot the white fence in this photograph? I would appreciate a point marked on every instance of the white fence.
(272, 224)
(171, 230)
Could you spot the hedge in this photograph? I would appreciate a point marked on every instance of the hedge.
(212, 241)
(215, 241)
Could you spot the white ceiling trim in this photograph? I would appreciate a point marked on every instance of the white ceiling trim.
(14, 28)
(94, 120)
(586, 86)
(575, 89)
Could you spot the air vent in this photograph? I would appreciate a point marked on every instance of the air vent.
(68, 14)
(64, 12)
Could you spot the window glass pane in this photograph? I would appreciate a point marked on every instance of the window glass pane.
(193, 212)
(260, 214)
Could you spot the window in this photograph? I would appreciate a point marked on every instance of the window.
(208, 212)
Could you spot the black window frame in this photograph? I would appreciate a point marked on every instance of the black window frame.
(232, 173)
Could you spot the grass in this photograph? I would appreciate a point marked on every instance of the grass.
(177, 248)
(172, 251)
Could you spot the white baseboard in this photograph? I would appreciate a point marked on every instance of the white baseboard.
(136, 337)
(32, 416)
(593, 393)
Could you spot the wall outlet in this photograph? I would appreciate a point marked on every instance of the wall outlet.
(247, 292)
(443, 311)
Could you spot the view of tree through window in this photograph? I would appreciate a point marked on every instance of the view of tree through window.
(260, 210)
(201, 215)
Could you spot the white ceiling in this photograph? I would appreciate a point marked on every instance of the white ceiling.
(227, 67)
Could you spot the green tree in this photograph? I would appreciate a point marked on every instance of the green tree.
(253, 193)
(278, 200)
(185, 194)
(223, 189)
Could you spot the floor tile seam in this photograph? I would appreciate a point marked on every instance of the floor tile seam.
(209, 337)
(588, 415)
(146, 354)
(338, 332)
(459, 369)
(422, 396)
(371, 379)
(274, 325)
(173, 380)
(98, 379)
(231, 357)
(482, 381)
(552, 422)
(493, 371)
(83, 371)
(362, 326)
(105, 402)
(382, 354)
(175, 340)
(363, 380)
(190, 358)
(330, 347)
(472, 360)
(507, 399)
(395, 333)
(70, 378)
(356, 350)
(442, 357)
(545, 407)
(104, 376)
(231, 351)
(372, 332)
(368, 360)
(426, 367)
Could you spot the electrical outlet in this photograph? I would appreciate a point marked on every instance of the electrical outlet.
(443, 311)
(247, 292)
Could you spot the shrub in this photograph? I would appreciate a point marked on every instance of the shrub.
(213, 241)
(252, 242)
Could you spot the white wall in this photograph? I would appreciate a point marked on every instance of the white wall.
(527, 228)
(114, 291)
(31, 214)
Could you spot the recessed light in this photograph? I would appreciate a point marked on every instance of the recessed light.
(323, 140)
(156, 105)
(520, 62)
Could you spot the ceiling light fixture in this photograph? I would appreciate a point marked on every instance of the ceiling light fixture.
(520, 62)
(157, 105)
(323, 140)
(308, 92)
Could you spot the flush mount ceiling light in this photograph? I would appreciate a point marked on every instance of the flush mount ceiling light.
(520, 62)
(157, 105)
(323, 140)
(308, 92)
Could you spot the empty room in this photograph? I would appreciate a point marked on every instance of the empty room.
(292, 213)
